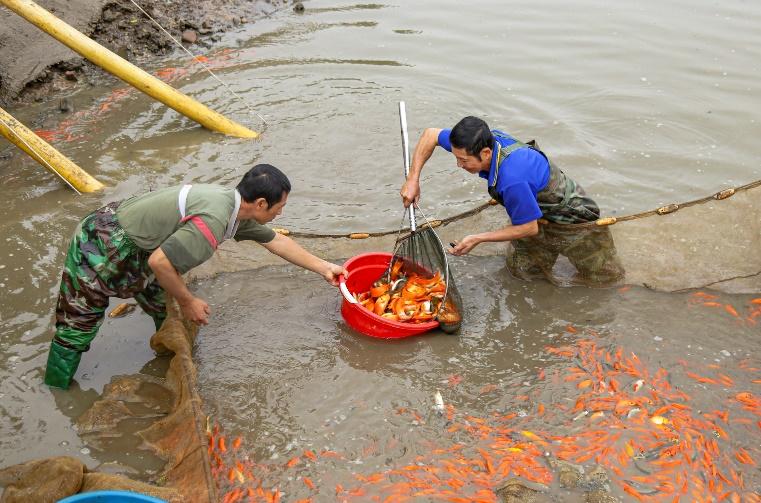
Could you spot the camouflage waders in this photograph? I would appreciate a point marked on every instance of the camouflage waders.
(591, 250)
(102, 262)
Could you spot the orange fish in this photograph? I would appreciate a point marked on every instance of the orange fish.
(704, 295)
(293, 462)
(487, 388)
(454, 380)
(584, 384)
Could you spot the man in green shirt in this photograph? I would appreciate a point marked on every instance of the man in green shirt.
(139, 248)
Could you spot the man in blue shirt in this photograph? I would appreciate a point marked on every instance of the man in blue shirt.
(521, 178)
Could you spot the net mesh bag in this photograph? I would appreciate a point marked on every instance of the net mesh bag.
(418, 285)
(419, 277)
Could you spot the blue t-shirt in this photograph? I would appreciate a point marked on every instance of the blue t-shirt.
(522, 175)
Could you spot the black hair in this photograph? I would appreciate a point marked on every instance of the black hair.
(472, 134)
(264, 180)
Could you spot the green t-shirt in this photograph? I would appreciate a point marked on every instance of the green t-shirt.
(152, 220)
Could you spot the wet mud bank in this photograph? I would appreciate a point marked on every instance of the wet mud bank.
(36, 67)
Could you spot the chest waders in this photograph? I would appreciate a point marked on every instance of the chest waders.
(562, 201)
(102, 262)
(591, 251)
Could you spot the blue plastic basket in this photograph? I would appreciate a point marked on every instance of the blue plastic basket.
(111, 497)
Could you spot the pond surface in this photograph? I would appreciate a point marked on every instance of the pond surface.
(538, 374)
(644, 104)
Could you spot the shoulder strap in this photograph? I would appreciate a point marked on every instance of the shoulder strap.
(183, 199)
(232, 225)
(197, 221)
(503, 153)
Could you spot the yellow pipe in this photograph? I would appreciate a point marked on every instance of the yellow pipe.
(45, 154)
(125, 70)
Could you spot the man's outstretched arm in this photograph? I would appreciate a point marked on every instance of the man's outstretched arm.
(290, 250)
(466, 244)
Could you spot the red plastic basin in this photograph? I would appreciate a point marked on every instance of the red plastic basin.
(364, 270)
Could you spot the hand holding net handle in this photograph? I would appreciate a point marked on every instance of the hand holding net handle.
(406, 154)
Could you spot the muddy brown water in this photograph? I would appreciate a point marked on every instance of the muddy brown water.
(644, 104)
(299, 379)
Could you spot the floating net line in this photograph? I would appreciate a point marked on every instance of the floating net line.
(703, 243)
(604, 221)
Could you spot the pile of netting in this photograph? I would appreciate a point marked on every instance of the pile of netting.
(177, 435)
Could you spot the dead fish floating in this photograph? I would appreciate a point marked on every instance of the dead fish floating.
(438, 403)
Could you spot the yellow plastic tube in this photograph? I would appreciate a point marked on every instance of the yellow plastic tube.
(125, 70)
(42, 152)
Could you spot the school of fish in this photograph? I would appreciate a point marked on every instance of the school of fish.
(656, 442)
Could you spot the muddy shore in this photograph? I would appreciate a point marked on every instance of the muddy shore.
(36, 67)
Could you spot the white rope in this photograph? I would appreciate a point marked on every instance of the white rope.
(9, 128)
(195, 58)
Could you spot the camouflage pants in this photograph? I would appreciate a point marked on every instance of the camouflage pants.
(102, 262)
(591, 250)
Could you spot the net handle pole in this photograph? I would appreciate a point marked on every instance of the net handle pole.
(406, 155)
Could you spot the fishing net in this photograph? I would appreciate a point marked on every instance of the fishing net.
(418, 285)
(705, 243)
(709, 242)
(175, 432)
(420, 280)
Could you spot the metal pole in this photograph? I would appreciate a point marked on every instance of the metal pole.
(406, 154)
